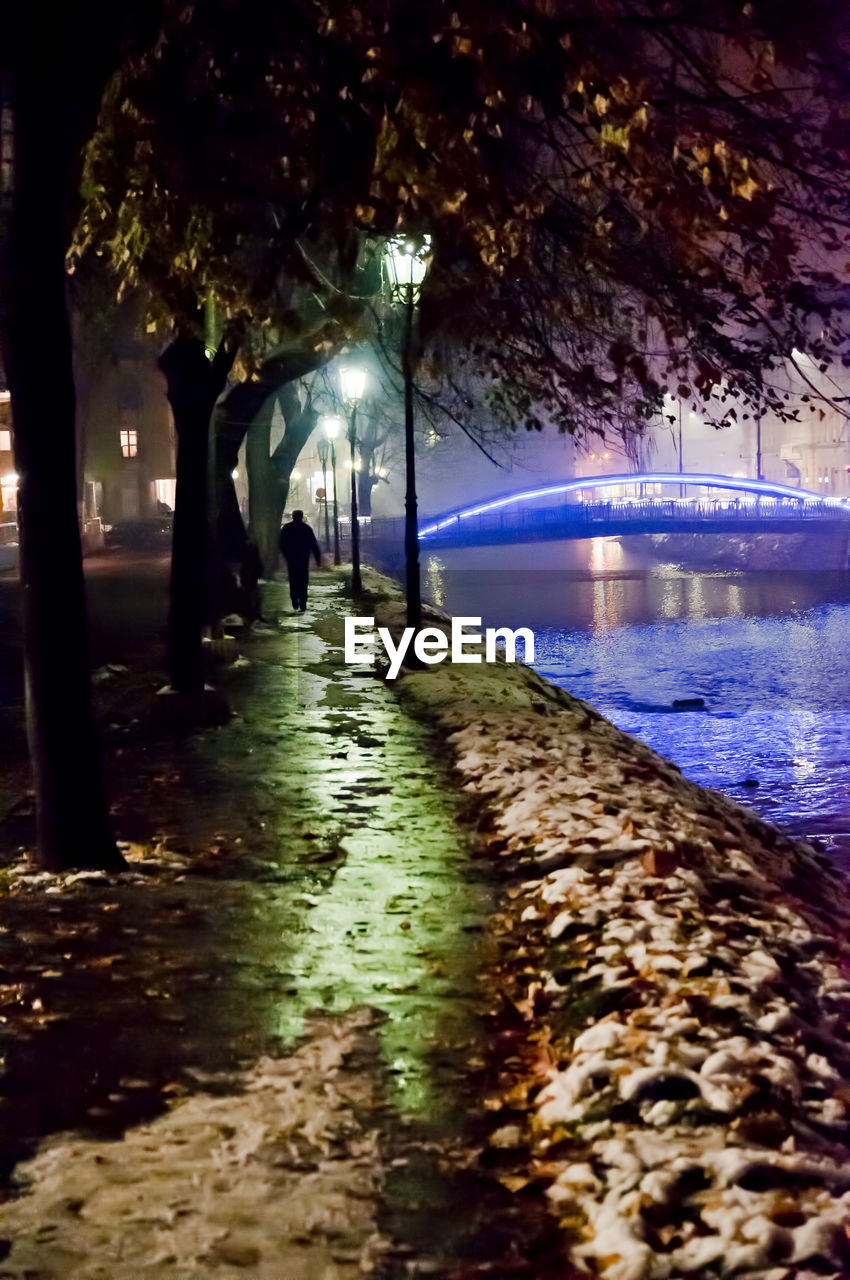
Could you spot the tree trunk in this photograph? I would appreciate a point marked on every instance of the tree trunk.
(245, 413)
(234, 417)
(277, 495)
(366, 482)
(300, 425)
(194, 384)
(71, 810)
(269, 474)
(261, 502)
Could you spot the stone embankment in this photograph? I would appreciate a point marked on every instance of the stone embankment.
(813, 549)
(679, 1070)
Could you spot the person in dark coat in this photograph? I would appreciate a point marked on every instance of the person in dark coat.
(297, 544)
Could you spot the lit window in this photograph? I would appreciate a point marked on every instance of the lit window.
(9, 492)
(129, 443)
(5, 442)
(165, 491)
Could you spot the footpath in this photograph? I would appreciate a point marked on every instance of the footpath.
(260, 1052)
(558, 1012)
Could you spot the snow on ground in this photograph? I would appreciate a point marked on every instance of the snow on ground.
(683, 969)
(277, 1172)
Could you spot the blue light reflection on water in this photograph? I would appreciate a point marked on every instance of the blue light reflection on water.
(768, 653)
(775, 702)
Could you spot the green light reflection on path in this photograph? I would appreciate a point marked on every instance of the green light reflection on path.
(393, 929)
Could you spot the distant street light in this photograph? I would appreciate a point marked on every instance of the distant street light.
(330, 426)
(353, 382)
(406, 262)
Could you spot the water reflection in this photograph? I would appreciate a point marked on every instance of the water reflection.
(696, 600)
(767, 652)
(606, 555)
(433, 582)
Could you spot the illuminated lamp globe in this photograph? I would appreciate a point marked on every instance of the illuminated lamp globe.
(352, 379)
(406, 261)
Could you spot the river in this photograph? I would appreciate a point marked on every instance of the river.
(767, 653)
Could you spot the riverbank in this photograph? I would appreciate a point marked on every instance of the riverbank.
(679, 1070)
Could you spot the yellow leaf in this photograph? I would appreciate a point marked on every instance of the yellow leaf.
(746, 190)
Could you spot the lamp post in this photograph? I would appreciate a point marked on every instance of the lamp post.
(322, 447)
(759, 411)
(406, 262)
(353, 381)
(681, 466)
(330, 426)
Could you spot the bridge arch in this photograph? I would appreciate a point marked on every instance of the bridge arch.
(761, 488)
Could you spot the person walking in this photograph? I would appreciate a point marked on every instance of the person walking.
(297, 544)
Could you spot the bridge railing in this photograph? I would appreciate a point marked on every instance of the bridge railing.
(572, 515)
(593, 516)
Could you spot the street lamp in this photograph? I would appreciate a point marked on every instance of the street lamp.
(681, 465)
(353, 382)
(330, 426)
(406, 261)
(759, 411)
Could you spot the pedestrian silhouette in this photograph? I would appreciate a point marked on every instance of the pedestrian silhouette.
(297, 544)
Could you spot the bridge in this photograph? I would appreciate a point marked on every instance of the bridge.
(766, 507)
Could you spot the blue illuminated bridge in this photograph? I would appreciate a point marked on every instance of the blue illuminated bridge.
(713, 504)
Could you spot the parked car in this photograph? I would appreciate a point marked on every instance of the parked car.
(151, 534)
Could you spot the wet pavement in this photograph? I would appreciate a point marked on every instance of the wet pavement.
(127, 603)
(319, 861)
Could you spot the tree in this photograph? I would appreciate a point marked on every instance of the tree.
(245, 414)
(185, 208)
(51, 78)
(194, 384)
(683, 173)
(598, 178)
(624, 198)
(375, 443)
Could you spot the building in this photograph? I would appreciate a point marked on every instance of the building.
(125, 436)
(125, 433)
(812, 453)
(8, 478)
